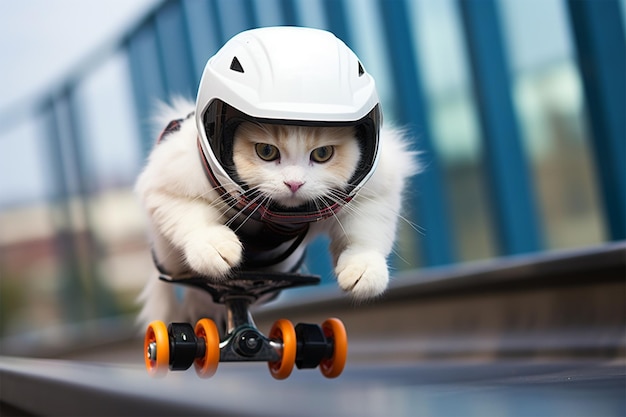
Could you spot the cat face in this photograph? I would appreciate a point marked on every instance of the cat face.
(295, 165)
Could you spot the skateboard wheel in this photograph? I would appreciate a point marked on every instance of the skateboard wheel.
(156, 347)
(284, 331)
(335, 330)
(206, 366)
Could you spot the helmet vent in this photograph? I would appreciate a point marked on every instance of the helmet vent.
(235, 65)
(361, 70)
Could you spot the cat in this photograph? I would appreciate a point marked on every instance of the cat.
(289, 165)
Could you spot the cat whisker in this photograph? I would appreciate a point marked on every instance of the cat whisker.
(338, 195)
(219, 204)
(243, 210)
(263, 202)
(225, 205)
(400, 257)
(334, 215)
(255, 199)
(206, 193)
(416, 227)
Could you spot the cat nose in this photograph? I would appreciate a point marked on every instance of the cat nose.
(293, 185)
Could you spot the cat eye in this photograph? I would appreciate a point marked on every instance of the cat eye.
(267, 152)
(322, 154)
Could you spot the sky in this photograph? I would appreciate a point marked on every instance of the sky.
(41, 42)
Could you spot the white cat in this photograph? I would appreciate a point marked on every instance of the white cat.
(289, 165)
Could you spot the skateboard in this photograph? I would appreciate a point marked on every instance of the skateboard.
(178, 346)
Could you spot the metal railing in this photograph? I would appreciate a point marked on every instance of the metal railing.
(513, 333)
(167, 50)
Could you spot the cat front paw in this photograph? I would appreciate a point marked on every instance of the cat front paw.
(213, 251)
(362, 274)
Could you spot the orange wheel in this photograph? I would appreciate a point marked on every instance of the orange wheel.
(156, 348)
(284, 331)
(206, 366)
(333, 366)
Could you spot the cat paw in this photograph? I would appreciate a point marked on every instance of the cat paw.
(214, 251)
(363, 274)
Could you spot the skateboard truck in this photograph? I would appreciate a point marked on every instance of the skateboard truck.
(180, 345)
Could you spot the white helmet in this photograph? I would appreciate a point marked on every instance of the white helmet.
(284, 75)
